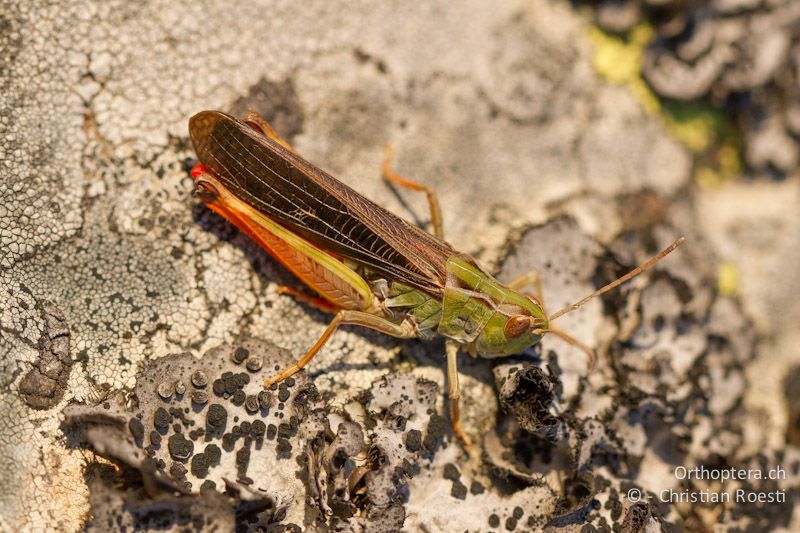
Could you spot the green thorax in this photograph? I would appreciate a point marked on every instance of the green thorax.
(423, 308)
(476, 310)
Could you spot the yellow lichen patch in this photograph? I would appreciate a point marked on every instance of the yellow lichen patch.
(619, 61)
(710, 135)
(693, 123)
(728, 278)
(727, 165)
(705, 131)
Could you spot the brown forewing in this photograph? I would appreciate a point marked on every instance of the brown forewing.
(318, 207)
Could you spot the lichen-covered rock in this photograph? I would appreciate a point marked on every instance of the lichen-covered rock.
(195, 424)
(501, 112)
(96, 213)
(668, 395)
(742, 55)
(199, 425)
(44, 384)
(571, 447)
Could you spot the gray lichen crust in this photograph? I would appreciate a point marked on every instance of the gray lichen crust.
(110, 273)
(44, 384)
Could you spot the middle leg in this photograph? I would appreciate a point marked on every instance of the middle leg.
(454, 392)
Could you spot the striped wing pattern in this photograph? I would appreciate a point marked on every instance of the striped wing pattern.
(315, 205)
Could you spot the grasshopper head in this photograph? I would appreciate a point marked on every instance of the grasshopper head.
(525, 324)
(514, 326)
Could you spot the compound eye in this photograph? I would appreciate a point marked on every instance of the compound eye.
(516, 326)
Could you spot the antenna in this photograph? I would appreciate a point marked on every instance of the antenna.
(619, 281)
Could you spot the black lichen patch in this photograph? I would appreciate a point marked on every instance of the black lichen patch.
(459, 490)
(213, 453)
(177, 471)
(180, 448)
(437, 429)
(200, 465)
(636, 517)
(137, 429)
(240, 354)
(283, 449)
(162, 419)
(264, 399)
(242, 462)
(44, 384)
(414, 440)
(451, 472)
(197, 448)
(528, 393)
(216, 417)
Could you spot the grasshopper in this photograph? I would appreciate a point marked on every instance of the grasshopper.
(369, 266)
